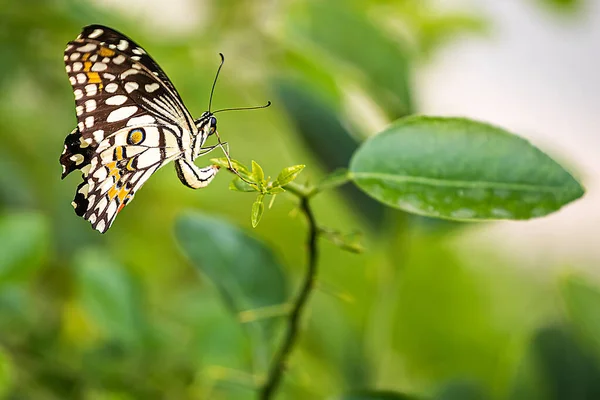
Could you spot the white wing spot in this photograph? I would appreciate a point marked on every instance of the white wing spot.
(151, 87)
(90, 105)
(91, 89)
(81, 126)
(116, 100)
(111, 87)
(98, 135)
(94, 58)
(72, 80)
(138, 51)
(142, 120)
(128, 72)
(79, 110)
(135, 58)
(108, 76)
(99, 66)
(77, 158)
(75, 56)
(119, 59)
(87, 48)
(89, 121)
(131, 86)
(123, 44)
(78, 94)
(121, 113)
(77, 66)
(68, 68)
(96, 33)
(100, 226)
(81, 78)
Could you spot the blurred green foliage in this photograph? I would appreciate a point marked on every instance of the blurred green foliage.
(126, 315)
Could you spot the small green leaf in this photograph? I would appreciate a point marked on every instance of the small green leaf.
(239, 185)
(336, 179)
(257, 210)
(275, 190)
(460, 169)
(288, 174)
(257, 173)
(239, 167)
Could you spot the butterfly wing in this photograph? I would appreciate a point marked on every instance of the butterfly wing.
(131, 121)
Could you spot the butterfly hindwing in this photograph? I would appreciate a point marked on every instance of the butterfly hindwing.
(121, 165)
(131, 121)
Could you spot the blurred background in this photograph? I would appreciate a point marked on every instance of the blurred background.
(431, 308)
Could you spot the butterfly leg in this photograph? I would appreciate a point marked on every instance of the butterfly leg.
(192, 176)
(206, 150)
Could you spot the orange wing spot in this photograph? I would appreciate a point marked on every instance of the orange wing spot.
(104, 52)
(120, 208)
(122, 194)
(85, 56)
(87, 65)
(111, 165)
(93, 77)
(129, 165)
(112, 192)
(119, 153)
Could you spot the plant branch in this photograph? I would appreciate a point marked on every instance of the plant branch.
(279, 363)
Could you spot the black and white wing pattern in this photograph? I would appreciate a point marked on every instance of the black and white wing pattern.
(131, 122)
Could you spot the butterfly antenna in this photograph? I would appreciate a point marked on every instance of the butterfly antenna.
(215, 81)
(243, 108)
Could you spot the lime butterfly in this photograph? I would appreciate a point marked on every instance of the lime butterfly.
(131, 122)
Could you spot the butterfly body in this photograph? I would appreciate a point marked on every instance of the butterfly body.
(131, 122)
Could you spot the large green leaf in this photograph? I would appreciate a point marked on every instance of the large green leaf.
(245, 271)
(24, 241)
(460, 169)
(110, 295)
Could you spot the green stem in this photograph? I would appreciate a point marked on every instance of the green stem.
(279, 363)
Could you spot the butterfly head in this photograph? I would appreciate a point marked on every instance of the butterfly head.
(206, 124)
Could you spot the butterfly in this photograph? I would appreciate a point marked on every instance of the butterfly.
(131, 122)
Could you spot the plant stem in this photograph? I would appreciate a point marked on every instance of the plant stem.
(279, 363)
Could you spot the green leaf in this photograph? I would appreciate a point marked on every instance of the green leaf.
(257, 173)
(244, 269)
(376, 395)
(239, 185)
(239, 167)
(110, 295)
(382, 61)
(257, 210)
(24, 239)
(275, 190)
(288, 174)
(335, 179)
(582, 302)
(460, 169)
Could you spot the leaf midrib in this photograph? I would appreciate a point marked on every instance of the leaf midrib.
(454, 183)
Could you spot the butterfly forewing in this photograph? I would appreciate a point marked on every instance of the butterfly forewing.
(131, 121)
